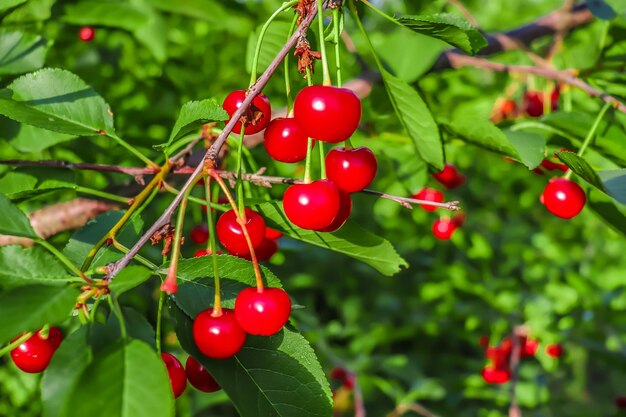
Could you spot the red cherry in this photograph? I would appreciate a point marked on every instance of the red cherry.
(285, 141)
(483, 342)
(176, 373)
(499, 356)
(262, 313)
(351, 169)
(620, 401)
(449, 177)
(231, 235)
(443, 228)
(199, 234)
(554, 350)
(505, 108)
(199, 377)
(312, 206)
(563, 198)
(533, 102)
(326, 113)
(338, 373)
(496, 376)
(218, 337)
(204, 252)
(429, 194)
(345, 209)
(272, 234)
(260, 111)
(86, 33)
(34, 355)
(529, 347)
(264, 251)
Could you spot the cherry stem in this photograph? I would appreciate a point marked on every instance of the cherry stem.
(380, 12)
(307, 161)
(242, 222)
(158, 322)
(8, 348)
(240, 195)
(64, 260)
(212, 242)
(145, 262)
(257, 51)
(286, 68)
(196, 200)
(102, 194)
(169, 285)
(320, 146)
(117, 310)
(590, 135)
(337, 29)
(132, 150)
(320, 26)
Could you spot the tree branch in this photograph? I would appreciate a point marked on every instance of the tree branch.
(211, 155)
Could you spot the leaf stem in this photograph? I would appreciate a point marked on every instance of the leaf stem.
(257, 51)
(356, 18)
(590, 135)
(132, 150)
(380, 12)
(145, 262)
(8, 348)
(103, 194)
(116, 309)
(320, 26)
(64, 260)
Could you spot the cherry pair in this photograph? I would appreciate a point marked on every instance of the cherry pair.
(34, 355)
(197, 375)
(222, 335)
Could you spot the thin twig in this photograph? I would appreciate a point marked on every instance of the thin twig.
(211, 155)
(562, 76)
(81, 166)
(415, 407)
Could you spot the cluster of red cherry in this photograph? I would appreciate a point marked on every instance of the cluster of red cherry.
(498, 371)
(193, 371)
(532, 105)
(450, 178)
(322, 113)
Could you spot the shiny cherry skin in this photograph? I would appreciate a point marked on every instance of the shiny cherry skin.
(262, 313)
(264, 251)
(429, 194)
(495, 375)
(449, 177)
(326, 113)
(345, 209)
(563, 198)
(218, 337)
(86, 33)
(230, 233)
(176, 373)
(285, 141)
(199, 377)
(205, 252)
(443, 229)
(312, 206)
(554, 350)
(351, 169)
(199, 234)
(34, 355)
(262, 111)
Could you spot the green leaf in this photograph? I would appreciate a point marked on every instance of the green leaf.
(31, 12)
(29, 139)
(399, 52)
(198, 288)
(581, 168)
(607, 211)
(24, 52)
(130, 381)
(7, 4)
(57, 100)
(601, 10)
(104, 13)
(194, 114)
(449, 28)
(63, 373)
(27, 181)
(29, 307)
(615, 183)
(129, 278)
(274, 39)
(527, 148)
(416, 119)
(276, 376)
(86, 237)
(137, 327)
(351, 240)
(24, 266)
(13, 221)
